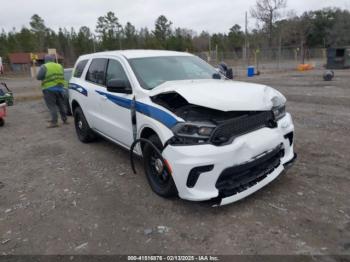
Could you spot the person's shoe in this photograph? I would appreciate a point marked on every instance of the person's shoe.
(52, 125)
(65, 122)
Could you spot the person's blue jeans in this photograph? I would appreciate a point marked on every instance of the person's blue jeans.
(55, 100)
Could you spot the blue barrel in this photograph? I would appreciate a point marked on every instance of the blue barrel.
(250, 71)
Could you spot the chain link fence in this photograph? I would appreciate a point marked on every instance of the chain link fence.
(264, 60)
(267, 60)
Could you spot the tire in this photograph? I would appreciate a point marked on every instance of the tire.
(2, 122)
(84, 132)
(162, 184)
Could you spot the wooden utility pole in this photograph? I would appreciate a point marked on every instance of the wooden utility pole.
(302, 52)
(279, 50)
(246, 44)
(209, 48)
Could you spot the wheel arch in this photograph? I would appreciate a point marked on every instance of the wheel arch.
(74, 105)
(147, 132)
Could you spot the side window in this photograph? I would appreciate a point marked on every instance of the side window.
(116, 71)
(97, 71)
(78, 71)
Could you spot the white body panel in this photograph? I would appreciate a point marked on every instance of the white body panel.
(242, 149)
(112, 119)
(221, 95)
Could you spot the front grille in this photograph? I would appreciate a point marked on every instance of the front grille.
(236, 179)
(230, 129)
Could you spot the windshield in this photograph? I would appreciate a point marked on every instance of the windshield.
(154, 71)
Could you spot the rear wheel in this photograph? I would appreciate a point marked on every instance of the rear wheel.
(84, 132)
(158, 175)
(2, 122)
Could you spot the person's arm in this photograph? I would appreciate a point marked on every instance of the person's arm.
(41, 74)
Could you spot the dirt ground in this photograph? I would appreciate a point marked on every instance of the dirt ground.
(59, 196)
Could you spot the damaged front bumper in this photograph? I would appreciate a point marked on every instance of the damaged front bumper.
(226, 174)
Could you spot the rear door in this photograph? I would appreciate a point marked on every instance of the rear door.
(95, 80)
(115, 120)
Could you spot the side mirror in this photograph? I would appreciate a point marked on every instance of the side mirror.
(119, 86)
(216, 76)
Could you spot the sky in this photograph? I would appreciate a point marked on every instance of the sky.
(209, 15)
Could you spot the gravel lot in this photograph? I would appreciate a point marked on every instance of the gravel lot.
(59, 196)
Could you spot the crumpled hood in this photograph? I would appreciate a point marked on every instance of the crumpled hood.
(222, 95)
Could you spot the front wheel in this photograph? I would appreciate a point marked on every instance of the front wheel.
(157, 174)
(84, 132)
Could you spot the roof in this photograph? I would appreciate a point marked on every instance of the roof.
(24, 58)
(19, 58)
(138, 53)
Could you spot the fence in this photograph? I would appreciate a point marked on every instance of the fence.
(264, 60)
(267, 60)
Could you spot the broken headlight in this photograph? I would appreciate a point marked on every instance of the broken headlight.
(278, 107)
(192, 133)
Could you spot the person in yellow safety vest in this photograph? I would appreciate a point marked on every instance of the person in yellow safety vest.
(51, 75)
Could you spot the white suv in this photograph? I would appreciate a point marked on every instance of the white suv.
(202, 136)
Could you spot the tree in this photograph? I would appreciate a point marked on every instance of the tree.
(318, 28)
(12, 41)
(37, 24)
(39, 29)
(162, 30)
(83, 43)
(339, 33)
(130, 35)
(235, 37)
(146, 40)
(201, 42)
(322, 22)
(3, 43)
(109, 31)
(181, 40)
(267, 12)
(26, 40)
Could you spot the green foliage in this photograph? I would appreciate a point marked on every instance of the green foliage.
(109, 31)
(318, 28)
(162, 31)
(235, 37)
(339, 33)
(130, 36)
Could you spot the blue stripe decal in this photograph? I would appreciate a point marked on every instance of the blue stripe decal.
(123, 102)
(79, 89)
(150, 111)
(156, 113)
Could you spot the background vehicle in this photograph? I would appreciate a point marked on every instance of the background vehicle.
(2, 113)
(202, 137)
(6, 95)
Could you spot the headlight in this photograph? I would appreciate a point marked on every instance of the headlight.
(192, 133)
(278, 107)
(205, 130)
(279, 112)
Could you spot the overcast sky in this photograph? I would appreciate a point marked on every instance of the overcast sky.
(209, 15)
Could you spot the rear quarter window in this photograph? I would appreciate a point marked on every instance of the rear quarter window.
(79, 69)
(97, 71)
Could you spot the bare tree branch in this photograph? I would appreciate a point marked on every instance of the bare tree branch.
(267, 12)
